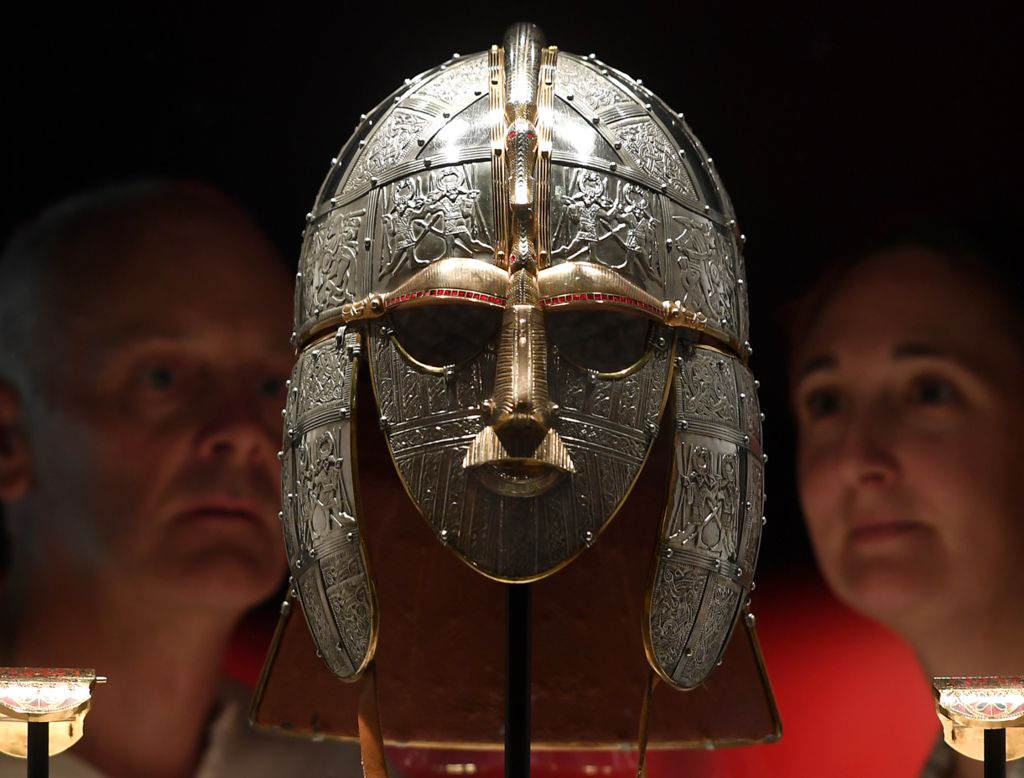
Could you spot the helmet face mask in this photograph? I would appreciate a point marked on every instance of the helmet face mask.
(532, 254)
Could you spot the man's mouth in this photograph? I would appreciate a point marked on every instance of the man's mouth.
(225, 510)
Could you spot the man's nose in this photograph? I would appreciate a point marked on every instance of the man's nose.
(236, 426)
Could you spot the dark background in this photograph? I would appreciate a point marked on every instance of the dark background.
(827, 124)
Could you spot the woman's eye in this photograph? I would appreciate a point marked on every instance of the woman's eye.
(822, 403)
(933, 391)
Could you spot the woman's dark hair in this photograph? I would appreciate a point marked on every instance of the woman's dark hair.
(982, 248)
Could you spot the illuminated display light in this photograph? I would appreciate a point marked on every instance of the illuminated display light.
(969, 706)
(59, 697)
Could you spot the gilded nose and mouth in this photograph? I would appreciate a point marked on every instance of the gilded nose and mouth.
(519, 454)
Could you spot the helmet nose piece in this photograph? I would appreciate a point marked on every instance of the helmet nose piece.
(521, 432)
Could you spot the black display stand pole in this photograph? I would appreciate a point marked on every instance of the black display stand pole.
(517, 681)
(38, 749)
(995, 753)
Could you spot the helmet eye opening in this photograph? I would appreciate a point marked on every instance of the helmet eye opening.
(610, 343)
(437, 337)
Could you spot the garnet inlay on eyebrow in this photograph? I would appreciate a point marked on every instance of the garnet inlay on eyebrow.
(464, 294)
(600, 297)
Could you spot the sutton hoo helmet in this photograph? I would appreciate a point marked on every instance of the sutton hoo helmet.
(534, 256)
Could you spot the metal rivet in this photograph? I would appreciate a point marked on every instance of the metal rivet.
(280, 515)
(764, 520)
(750, 620)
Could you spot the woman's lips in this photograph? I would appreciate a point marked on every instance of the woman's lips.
(876, 530)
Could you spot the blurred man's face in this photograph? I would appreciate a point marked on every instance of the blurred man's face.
(155, 466)
(910, 418)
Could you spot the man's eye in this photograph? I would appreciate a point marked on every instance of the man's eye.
(271, 386)
(930, 391)
(161, 378)
(822, 403)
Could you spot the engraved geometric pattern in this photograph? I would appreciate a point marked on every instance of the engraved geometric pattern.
(329, 257)
(388, 145)
(457, 84)
(704, 266)
(325, 549)
(655, 154)
(582, 83)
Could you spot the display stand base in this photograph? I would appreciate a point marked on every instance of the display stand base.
(995, 753)
(38, 749)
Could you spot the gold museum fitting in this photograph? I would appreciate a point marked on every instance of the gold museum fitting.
(533, 256)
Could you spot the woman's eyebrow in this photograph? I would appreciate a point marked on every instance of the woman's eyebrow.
(820, 362)
(912, 350)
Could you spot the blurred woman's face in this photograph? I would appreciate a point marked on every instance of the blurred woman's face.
(908, 396)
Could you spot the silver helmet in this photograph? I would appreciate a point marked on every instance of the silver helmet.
(534, 255)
